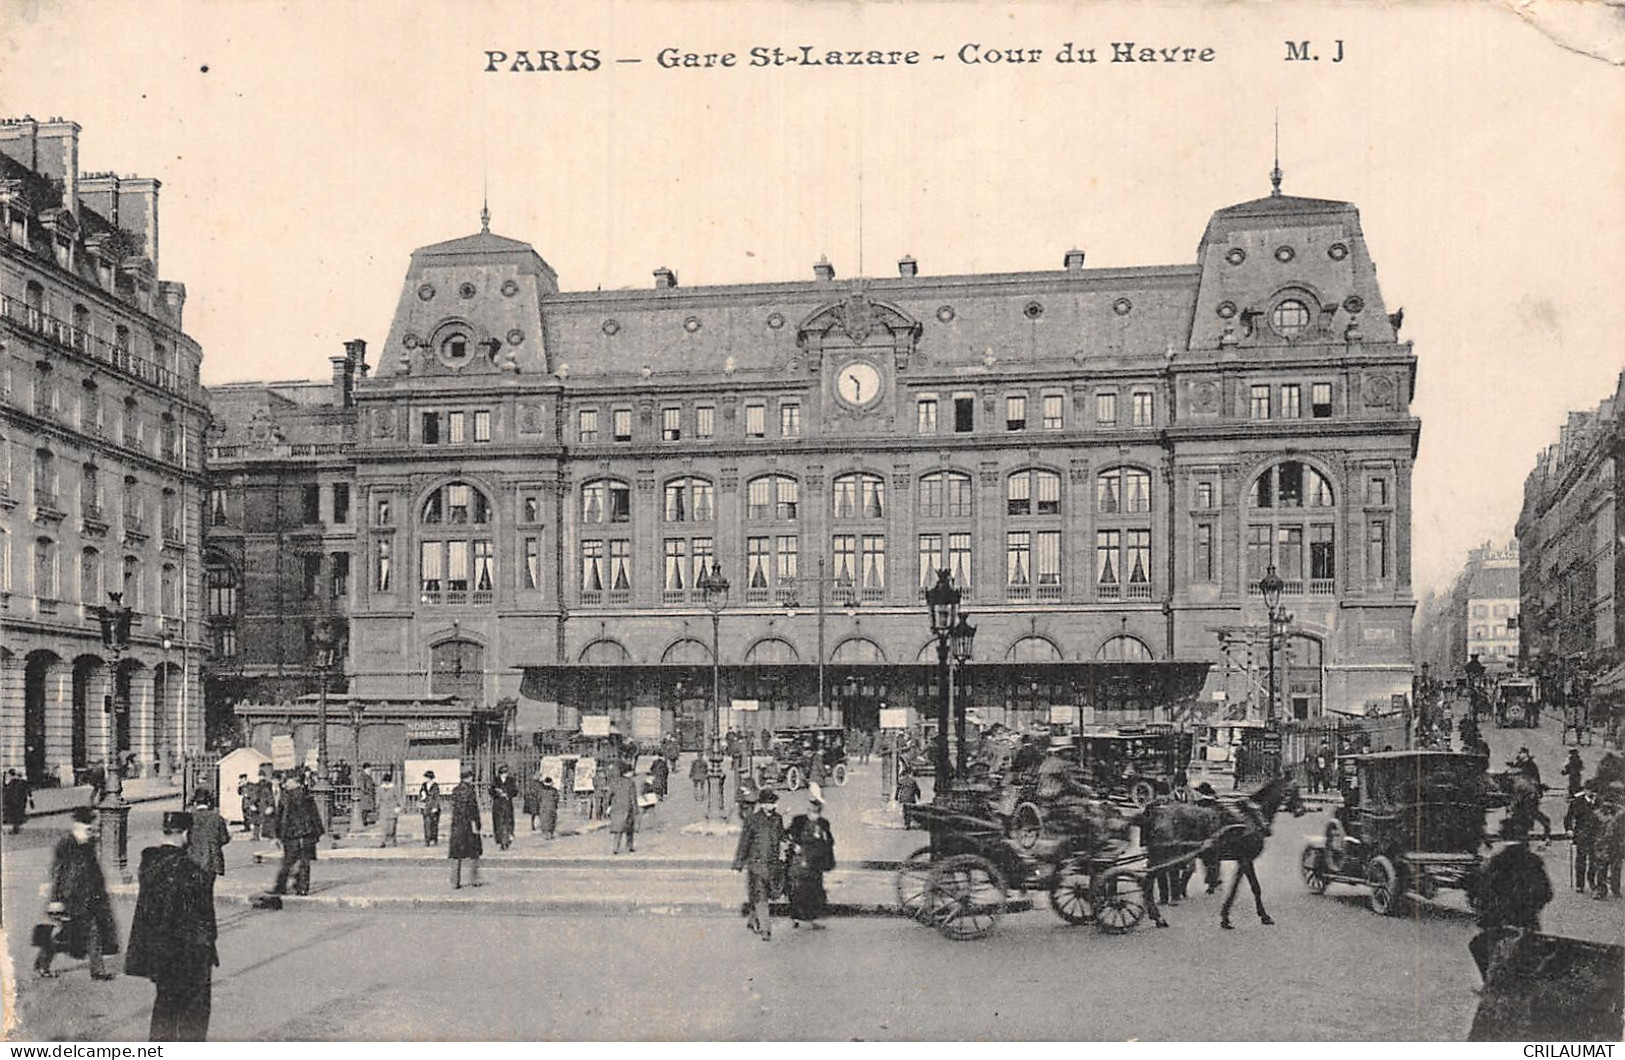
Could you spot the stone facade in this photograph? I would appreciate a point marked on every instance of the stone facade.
(1479, 615)
(101, 417)
(1108, 459)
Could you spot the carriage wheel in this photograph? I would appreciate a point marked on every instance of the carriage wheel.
(792, 778)
(1313, 867)
(1070, 895)
(913, 883)
(839, 774)
(1383, 879)
(1142, 792)
(966, 897)
(1026, 825)
(1118, 902)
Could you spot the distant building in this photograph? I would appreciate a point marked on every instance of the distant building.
(1569, 533)
(1478, 615)
(1107, 460)
(101, 417)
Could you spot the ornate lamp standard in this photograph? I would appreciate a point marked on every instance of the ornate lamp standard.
(962, 638)
(321, 642)
(942, 603)
(113, 811)
(1270, 586)
(714, 584)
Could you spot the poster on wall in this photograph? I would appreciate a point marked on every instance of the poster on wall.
(282, 753)
(894, 718)
(595, 724)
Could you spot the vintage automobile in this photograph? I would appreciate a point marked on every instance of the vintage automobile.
(793, 750)
(1137, 763)
(1411, 823)
(1517, 703)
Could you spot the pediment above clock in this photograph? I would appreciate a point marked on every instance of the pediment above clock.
(859, 320)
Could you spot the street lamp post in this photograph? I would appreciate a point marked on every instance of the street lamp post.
(714, 584)
(962, 639)
(1270, 586)
(942, 601)
(113, 811)
(321, 642)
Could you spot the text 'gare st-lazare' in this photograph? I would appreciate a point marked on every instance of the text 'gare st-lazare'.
(1106, 460)
(570, 60)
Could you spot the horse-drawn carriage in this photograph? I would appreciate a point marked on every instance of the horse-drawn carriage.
(960, 883)
(1412, 822)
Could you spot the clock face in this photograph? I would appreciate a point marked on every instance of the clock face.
(857, 383)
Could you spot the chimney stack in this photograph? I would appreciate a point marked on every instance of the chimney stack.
(347, 369)
(824, 272)
(1073, 260)
(665, 278)
(174, 301)
(907, 267)
(49, 148)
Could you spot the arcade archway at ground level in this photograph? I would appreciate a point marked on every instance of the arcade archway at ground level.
(787, 692)
(43, 695)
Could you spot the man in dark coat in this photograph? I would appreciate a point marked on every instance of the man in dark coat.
(760, 856)
(547, 812)
(623, 809)
(503, 791)
(429, 806)
(1511, 893)
(265, 802)
(659, 775)
(1580, 821)
(172, 937)
(207, 836)
(465, 844)
(697, 772)
(16, 799)
(1574, 769)
(531, 792)
(812, 853)
(79, 900)
(298, 826)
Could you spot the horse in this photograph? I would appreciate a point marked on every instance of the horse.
(1521, 796)
(1234, 830)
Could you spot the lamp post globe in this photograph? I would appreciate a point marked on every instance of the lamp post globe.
(714, 585)
(942, 602)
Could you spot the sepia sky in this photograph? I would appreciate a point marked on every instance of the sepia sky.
(325, 140)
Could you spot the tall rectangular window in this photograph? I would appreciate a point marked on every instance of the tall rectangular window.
(382, 512)
(1376, 491)
(758, 562)
(844, 553)
(1322, 554)
(705, 422)
(704, 557)
(676, 567)
(1106, 408)
(789, 420)
(531, 571)
(1015, 412)
(592, 569)
(1108, 563)
(457, 566)
(1377, 564)
(1289, 552)
(1259, 407)
(959, 560)
(932, 559)
(482, 425)
(311, 503)
(1202, 566)
(755, 421)
(671, 424)
(587, 426)
(340, 565)
(620, 565)
(925, 415)
(874, 565)
(1018, 558)
(1137, 562)
(623, 425)
(788, 549)
(1258, 553)
(1144, 409)
(431, 428)
(217, 507)
(1204, 494)
(1291, 401)
(1047, 558)
(454, 428)
(959, 496)
(931, 495)
(341, 502)
(383, 561)
(530, 509)
(484, 566)
(1320, 401)
(964, 415)
(1054, 411)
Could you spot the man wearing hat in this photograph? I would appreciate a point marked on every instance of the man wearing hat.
(465, 843)
(172, 937)
(298, 827)
(207, 836)
(79, 900)
(1512, 891)
(429, 806)
(760, 857)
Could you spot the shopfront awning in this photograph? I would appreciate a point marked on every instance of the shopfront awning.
(1611, 682)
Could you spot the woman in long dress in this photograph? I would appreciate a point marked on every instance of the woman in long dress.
(812, 853)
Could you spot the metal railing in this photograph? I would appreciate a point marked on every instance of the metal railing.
(34, 321)
(279, 450)
(1139, 590)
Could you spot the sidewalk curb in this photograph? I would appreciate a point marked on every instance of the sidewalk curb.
(642, 863)
(566, 906)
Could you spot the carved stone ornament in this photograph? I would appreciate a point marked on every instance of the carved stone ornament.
(856, 315)
(530, 419)
(1379, 391)
(1205, 398)
(383, 423)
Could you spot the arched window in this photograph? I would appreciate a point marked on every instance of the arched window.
(167, 586)
(1033, 492)
(606, 500)
(456, 503)
(860, 496)
(90, 577)
(456, 566)
(45, 479)
(1124, 648)
(772, 497)
(132, 583)
(689, 499)
(81, 327)
(1300, 544)
(36, 306)
(1123, 491)
(946, 494)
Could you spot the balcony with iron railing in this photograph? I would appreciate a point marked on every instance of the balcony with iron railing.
(93, 514)
(278, 451)
(135, 527)
(47, 502)
(33, 321)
